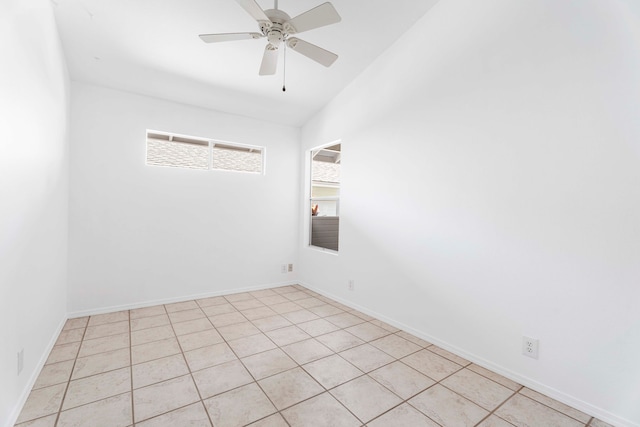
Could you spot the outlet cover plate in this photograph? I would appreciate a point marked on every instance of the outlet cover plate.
(530, 347)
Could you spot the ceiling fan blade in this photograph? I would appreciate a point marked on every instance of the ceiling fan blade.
(325, 14)
(312, 51)
(254, 10)
(228, 37)
(269, 61)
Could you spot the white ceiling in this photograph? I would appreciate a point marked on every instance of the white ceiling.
(152, 47)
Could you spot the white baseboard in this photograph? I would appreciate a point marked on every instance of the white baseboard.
(558, 395)
(13, 416)
(142, 304)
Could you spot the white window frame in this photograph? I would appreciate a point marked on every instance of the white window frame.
(308, 199)
(211, 143)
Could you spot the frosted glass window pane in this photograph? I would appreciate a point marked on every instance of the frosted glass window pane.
(177, 154)
(237, 160)
(325, 172)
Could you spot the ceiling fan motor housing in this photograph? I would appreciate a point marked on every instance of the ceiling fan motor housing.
(275, 32)
(275, 36)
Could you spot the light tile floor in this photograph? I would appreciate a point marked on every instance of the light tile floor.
(279, 357)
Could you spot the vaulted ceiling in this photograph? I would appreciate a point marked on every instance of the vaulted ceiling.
(152, 47)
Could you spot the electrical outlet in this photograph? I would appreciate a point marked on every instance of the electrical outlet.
(530, 347)
(352, 285)
(290, 268)
(283, 268)
(20, 360)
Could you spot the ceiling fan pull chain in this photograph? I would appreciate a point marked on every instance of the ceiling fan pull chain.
(284, 69)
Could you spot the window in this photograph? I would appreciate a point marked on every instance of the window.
(325, 197)
(235, 158)
(165, 149)
(169, 150)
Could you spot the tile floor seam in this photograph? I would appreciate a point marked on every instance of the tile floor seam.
(490, 411)
(444, 357)
(357, 377)
(195, 384)
(247, 369)
(491, 379)
(364, 373)
(300, 401)
(493, 413)
(413, 395)
(280, 410)
(165, 413)
(287, 370)
(319, 394)
(400, 404)
(458, 394)
(156, 358)
(431, 419)
(419, 392)
(335, 354)
(133, 406)
(549, 407)
(406, 355)
(66, 389)
(410, 397)
(91, 403)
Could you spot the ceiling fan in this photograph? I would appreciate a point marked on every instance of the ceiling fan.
(278, 27)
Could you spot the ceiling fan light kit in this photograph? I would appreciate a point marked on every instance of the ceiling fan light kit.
(277, 27)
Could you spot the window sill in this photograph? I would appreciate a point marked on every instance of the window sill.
(323, 250)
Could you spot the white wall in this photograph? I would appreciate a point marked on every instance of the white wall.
(143, 233)
(33, 193)
(491, 189)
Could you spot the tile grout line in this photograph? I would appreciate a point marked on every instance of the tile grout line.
(552, 408)
(133, 406)
(175, 336)
(279, 411)
(64, 395)
(333, 353)
(184, 358)
(406, 401)
(250, 373)
(498, 407)
(325, 390)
